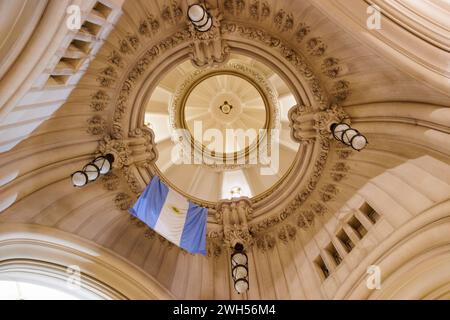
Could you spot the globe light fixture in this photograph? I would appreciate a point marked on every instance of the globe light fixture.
(199, 17)
(79, 179)
(91, 171)
(239, 268)
(104, 163)
(349, 136)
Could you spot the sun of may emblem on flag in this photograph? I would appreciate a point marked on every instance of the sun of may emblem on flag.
(175, 210)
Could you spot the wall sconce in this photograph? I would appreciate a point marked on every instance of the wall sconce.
(349, 136)
(200, 17)
(239, 268)
(100, 166)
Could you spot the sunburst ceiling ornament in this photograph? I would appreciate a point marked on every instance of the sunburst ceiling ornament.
(226, 108)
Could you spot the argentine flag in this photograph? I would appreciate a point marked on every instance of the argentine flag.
(172, 216)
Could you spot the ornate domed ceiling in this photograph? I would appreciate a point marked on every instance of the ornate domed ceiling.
(295, 66)
(227, 114)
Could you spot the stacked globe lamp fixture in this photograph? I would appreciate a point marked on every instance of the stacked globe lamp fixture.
(349, 136)
(239, 268)
(91, 171)
(200, 17)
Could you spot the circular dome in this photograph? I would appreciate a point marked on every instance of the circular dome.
(230, 104)
(243, 96)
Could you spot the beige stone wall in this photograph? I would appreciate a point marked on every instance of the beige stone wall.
(401, 106)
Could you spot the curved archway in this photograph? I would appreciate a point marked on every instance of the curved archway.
(49, 257)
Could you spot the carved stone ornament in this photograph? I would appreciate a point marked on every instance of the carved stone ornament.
(316, 47)
(123, 201)
(265, 242)
(111, 181)
(259, 10)
(331, 68)
(234, 216)
(139, 150)
(208, 48)
(305, 123)
(99, 101)
(129, 151)
(297, 60)
(96, 125)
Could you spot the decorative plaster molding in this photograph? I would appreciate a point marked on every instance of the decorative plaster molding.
(123, 201)
(96, 125)
(99, 101)
(259, 10)
(172, 13)
(316, 125)
(139, 150)
(149, 26)
(306, 123)
(316, 47)
(302, 31)
(287, 52)
(341, 91)
(110, 181)
(234, 215)
(265, 242)
(234, 7)
(208, 49)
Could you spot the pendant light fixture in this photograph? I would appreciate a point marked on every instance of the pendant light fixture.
(200, 17)
(239, 268)
(349, 136)
(91, 171)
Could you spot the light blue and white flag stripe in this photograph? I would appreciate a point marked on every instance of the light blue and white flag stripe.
(172, 216)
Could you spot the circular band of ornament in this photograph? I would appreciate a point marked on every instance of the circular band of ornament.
(145, 62)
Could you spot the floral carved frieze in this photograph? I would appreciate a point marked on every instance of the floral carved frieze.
(302, 31)
(284, 21)
(296, 59)
(145, 49)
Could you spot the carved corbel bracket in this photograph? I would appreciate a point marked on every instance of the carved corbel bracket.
(306, 124)
(208, 48)
(234, 216)
(138, 150)
(324, 119)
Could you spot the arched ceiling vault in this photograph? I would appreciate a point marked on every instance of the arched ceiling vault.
(321, 62)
